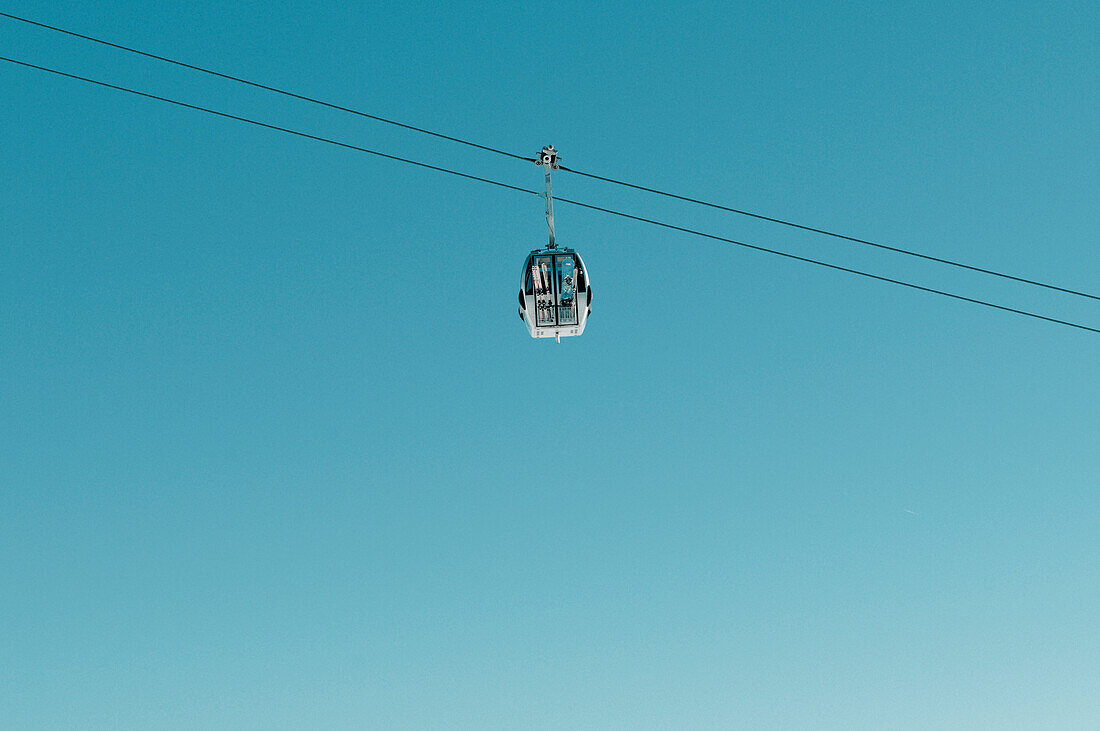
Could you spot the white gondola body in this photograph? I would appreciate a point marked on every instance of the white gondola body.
(555, 296)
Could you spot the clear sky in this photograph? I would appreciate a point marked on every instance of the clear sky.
(276, 451)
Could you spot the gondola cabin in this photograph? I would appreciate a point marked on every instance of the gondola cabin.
(555, 298)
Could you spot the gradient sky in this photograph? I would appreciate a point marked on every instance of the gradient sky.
(276, 451)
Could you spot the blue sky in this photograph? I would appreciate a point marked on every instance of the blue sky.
(275, 450)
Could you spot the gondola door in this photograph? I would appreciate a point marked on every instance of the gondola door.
(542, 271)
(567, 289)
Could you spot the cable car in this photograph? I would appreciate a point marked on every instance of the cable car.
(555, 297)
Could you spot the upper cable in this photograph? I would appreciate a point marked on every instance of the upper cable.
(823, 232)
(647, 189)
(265, 87)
